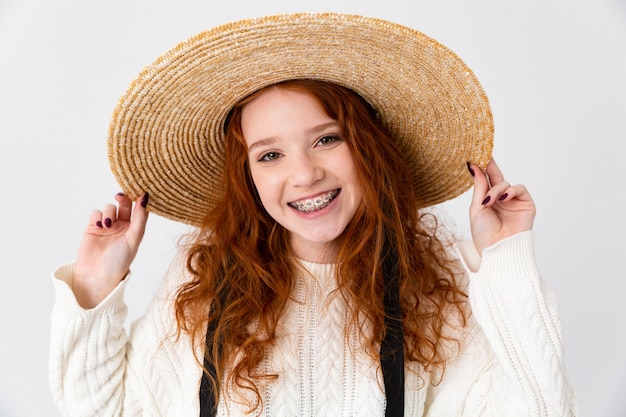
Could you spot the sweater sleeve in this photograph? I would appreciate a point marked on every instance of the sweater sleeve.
(512, 363)
(87, 351)
(98, 369)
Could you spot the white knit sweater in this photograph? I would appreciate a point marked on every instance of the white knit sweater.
(510, 362)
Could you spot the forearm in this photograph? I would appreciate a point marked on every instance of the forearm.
(87, 351)
(518, 315)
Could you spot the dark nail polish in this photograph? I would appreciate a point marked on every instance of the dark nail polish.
(469, 167)
(144, 200)
(108, 222)
(486, 200)
(99, 224)
(121, 194)
(503, 197)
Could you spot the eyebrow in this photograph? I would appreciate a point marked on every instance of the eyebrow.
(311, 131)
(261, 142)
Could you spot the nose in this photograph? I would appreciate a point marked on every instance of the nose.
(305, 170)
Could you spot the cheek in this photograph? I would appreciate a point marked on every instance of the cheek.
(352, 178)
(265, 186)
(348, 170)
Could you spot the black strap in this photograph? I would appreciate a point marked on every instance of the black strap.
(208, 405)
(391, 348)
(392, 345)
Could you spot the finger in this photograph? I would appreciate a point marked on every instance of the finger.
(494, 173)
(95, 219)
(499, 192)
(139, 219)
(481, 184)
(109, 215)
(125, 206)
(518, 192)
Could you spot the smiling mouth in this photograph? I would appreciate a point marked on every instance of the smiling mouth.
(319, 202)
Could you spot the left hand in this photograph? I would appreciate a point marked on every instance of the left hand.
(498, 210)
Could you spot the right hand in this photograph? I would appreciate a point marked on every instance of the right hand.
(108, 247)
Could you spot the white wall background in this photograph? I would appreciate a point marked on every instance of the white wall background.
(555, 72)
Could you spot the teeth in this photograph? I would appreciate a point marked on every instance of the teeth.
(314, 204)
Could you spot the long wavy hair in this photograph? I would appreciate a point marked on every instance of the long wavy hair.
(243, 270)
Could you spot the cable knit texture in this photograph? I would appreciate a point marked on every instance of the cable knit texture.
(510, 362)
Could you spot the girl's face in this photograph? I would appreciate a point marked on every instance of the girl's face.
(302, 169)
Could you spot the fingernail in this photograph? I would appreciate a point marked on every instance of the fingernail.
(503, 196)
(144, 200)
(108, 222)
(469, 167)
(99, 224)
(486, 200)
(121, 194)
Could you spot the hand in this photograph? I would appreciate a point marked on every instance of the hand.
(498, 210)
(108, 247)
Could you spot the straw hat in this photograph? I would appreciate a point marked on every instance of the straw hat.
(166, 134)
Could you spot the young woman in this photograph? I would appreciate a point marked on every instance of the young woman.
(316, 283)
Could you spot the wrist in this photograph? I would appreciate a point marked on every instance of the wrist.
(90, 290)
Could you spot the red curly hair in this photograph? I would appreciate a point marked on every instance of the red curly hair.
(243, 269)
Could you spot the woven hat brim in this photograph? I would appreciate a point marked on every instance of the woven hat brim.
(166, 134)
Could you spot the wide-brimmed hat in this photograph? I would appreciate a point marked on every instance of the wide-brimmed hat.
(166, 135)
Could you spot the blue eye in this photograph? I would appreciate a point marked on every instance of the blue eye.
(270, 156)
